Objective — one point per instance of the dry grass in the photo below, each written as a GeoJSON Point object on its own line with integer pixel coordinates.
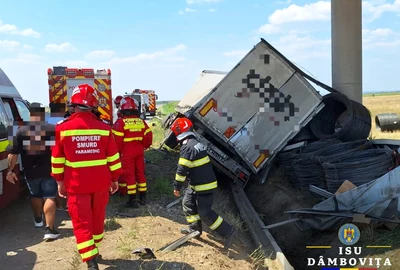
{"type": "Point", "coordinates": [379, 104]}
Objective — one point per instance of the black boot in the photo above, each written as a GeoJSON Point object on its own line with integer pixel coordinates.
{"type": "Point", "coordinates": [142, 198]}
{"type": "Point", "coordinates": [132, 202]}
{"type": "Point", "coordinates": [193, 227]}
{"type": "Point", "coordinates": [92, 264]}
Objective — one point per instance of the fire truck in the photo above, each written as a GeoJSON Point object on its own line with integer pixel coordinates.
{"type": "Point", "coordinates": [63, 80]}
{"type": "Point", "coordinates": [150, 98]}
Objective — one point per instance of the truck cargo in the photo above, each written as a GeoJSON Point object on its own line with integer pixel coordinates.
{"type": "Point", "coordinates": [62, 81]}
{"type": "Point", "coordinates": [248, 115]}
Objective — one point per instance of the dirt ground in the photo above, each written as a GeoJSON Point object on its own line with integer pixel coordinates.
{"type": "Point", "coordinates": [151, 226]}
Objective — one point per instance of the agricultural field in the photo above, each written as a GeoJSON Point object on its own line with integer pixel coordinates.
{"type": "Point", "coordinates": [382, 103]}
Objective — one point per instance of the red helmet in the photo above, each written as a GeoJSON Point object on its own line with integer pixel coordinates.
{"type": "Point", "coordinates": [128, 103]}
{"type": "Point", "coordinates": [182, 127]}
{"type": "Point", "coordinates": [117, 100]}
{"type": "Point", "coordinates": [84, 95]}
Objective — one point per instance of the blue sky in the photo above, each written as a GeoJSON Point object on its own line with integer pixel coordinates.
{"type": "Point", "coordinates": [164, 45]}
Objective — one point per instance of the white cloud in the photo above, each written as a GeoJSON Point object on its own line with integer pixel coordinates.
{"type": "Point", "coordinates": [374, 9]}
{"type": "Point", "coordinates": [190, 2]}
{"type": "Point", "coordinates": [170, 55]}
{"type": "Point", "coordinates": [319, 11]}
{"type": "Point", "coordinates": [13, 30]}
{"type": "Point", "coordinates": [64, 47]}
{"type": "Point", "coordinates": [9, 45]}
{"type": "Point", "coordinates": [27, 47]}
{"type": "Point", "coordinates": [23, 58]}
{"type": "Point", "coordinates": [380, 37]}
{"type": "Point", "coordinates": [211, 10]}
{"type": "Point", "coordinates": [190, 10]}
{"type": "Point", "coordinates": [236, 53]}
{"type": "Point", "coordinates": [100, 55]}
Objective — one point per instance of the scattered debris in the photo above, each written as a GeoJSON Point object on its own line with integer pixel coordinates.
{"type": "Point", "coordinates": [145, 253]}
{"type": "Point", "coordinates": [180, 241]}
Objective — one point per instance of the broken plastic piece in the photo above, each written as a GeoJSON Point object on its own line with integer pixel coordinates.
{"type": "Point", "coordinates": [144, 253]}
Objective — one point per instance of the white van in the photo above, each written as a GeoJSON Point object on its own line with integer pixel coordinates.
{"type": "Point", "coordinates": [13, 108]}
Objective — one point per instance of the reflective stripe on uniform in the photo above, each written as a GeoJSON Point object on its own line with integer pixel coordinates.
{"type": "Point", "coordinates": [57, 170]}
{"type": "Point", "coordinates": [113, 158]}
{"type": "Point", "coordinates": [193, 218]}
{"type": "Point", "coordinates": [77, 132]}
{"type": "Point", "coordinates": [89, 163]}
{"type": "Point", "coordinates": [133, 139]}
{"type": "Point", "coordinates": [180, 178]}
{"type": "Point", "coordinates": [142, 187]}
{"type": "Point", "coordinates": [131, 189]}
{"type": "Point", "coordinates": [85, 244]}
{"type": "Point", "coordinates": [147, 131]}
{"type": "Point", "coordinates": [205, 187]}
{"type": "Point", "coordinates": [98, 238]}
{"type": "Point", "coordinates": [90, 253]}
{"type": "Point", "coordinates": [59, 160]}
{"type": "Point", "coordinates": [122, 184]}
{"type": "Point", "coordinates": [216, 223]}
{"type": "Point", "coordinates": [194, 163]}
{"type": "Point", "coordinates": [115, 166]}
{"type": "Point", "coordinates": [121, 134]}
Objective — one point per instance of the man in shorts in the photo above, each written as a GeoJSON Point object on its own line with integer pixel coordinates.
{"type": "Point", "coordinates": [33, 141]}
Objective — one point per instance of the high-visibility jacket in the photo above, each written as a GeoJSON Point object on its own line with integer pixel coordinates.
{"type": "Point", "coordinates": [130, 131]}
{"type": "Point", "coordinates": [85, 156]}
{"type": "Point", "coordinates": [194, 163]}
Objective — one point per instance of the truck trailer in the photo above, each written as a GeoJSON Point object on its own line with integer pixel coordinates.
{"type": "Point", "coordinates": [246, 116]}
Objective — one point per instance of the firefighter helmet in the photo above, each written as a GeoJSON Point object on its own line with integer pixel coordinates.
{"type": "Point", "coordinates": [84, 96]}
{"type": "Point", "coordinates": [117, 100]}
{"type": "Point", "coordinates": [128, 103]}
{"type": "Point", "coordinates": [182, 127]}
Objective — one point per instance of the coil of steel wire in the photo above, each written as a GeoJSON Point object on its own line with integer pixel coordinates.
{"type": "Point", "coordinates": [305, 167]}
{"type": "Point", "coordinates": [341, 118]}
{"type": "Point", "coordinates": [285, 161]}
{"type": "Point", "coordinates": [336, 152]}
{"type": "Point", "coordinates": [359, 168]}
{"type": "Point", "coordinates": [387, 121]}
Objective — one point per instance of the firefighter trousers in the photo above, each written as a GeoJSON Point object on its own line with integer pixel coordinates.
{"type": "Point", "coordinates": [133, 173]}
{"type": "Point", "coordinates": [197, 209]}
{"type": "Point", "coordinates": [87, 212]}
{"type": "Point", "coordinates": [122, 186]}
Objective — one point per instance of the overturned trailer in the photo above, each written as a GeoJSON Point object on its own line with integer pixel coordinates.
{"type": "Point", "coordinates": [264, 106]}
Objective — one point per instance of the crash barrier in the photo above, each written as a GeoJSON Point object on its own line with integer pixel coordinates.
{"type": "Point", "coordinates": [359, 167]}
{"type": "Point", "coordinates": [342, 119]}
{"type": "Point", "coordinates": [387, 121]}
{"type": "Point", "coordinates": [303, 165]}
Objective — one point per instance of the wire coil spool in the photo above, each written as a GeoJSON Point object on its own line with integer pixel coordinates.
{"type": "Point", "coordinates": [341, 118]}
{"type": "Point", "coordinates": [285, 161]}
{"type": "Point", "coordinates": [305, 168]}
{"type": "Point", "coordinates": [359, 168]}
{"type": "Point", "coordinates": [387, 121]}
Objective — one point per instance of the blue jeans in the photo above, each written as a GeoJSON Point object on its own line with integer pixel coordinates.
{"type": "Point", "coordinates": [43, 187]}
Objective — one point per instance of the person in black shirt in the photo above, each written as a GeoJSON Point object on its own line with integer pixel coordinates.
{"type": "Point", "coordinates": [33, 142]}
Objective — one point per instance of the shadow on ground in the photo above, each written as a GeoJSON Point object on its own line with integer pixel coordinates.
{"type": "Point", "coordinates": [145, 265]}
{"type": "Point", "coordinates": [17, 230]}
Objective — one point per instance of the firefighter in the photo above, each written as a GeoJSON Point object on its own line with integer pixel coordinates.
{"type": "Point", "coordinates": [70, 110]}
{"type": "Point", "coordinates": [195, 165]}
{"type": "Point", "coordinates": [133, 136]}
{"type": "Point", "coordinates": [86, 164]}
{"type": "Point", "coordinates": [117, 103]}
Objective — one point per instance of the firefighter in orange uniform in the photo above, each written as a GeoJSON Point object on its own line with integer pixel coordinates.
{"type": "Point", "coordinates": [133, 136]}
{"type": "Point", "coordinates": [86, 164]}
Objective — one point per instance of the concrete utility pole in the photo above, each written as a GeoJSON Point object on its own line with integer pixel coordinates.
{"type": "Point", "coordinates": [346, 23]}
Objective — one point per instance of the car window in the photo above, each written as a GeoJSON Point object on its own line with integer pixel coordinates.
{"type": "Point", "coordinates": [7, 108]}
{"type": "Point", "coordinates": [4, 123]}
{"type": "Point", "coordinates": [23, 110]}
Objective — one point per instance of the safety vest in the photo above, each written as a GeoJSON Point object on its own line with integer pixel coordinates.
{"type": "Point", "coordinates": [132, 129]}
